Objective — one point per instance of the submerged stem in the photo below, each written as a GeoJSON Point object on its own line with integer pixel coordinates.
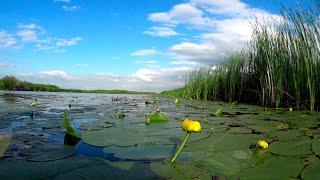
{"type": "Point", "coordinates": [186, 137]}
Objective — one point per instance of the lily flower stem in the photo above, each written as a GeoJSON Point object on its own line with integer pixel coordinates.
{"type": "Point", "coordinates": [186, 137]}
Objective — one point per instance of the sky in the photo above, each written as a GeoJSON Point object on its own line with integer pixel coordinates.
{"type": "Point", "coordinates": [143, 45]}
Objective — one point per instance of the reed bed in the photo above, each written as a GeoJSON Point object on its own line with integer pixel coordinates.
{"type": "Point", "coordinates": [280, 69]}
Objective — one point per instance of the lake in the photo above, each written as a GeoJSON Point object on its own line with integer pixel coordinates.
{"type": "Point", "coordinates": [32, 139]}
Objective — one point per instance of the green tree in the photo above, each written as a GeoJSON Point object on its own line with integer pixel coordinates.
{"type": "Point", "coordinates": [9, 82]}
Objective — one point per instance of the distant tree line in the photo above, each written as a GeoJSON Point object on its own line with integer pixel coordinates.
{"type": "Point", "coordinates": [13, 84]}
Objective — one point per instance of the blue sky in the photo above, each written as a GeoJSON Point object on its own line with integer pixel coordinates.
{"type": "Point", "coordinates": [148, 45]}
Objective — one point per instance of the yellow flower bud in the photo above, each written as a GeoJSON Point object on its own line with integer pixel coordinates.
{"type": "Point", "coordinates": [191, 126]}
{"type": "Point", "coordinates": [263, 144]}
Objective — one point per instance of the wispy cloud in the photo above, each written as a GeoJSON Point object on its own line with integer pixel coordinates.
{"type": "Point", "coordinates": [56, 74]}
{"type": "Point", "coordinates": [70, 8]}
{"type": "Point", "coordinates": [144, 52]}
{"type": "Point", "coordinates": [161, 32]}
{"type": "Point", "coordinates": [66, 42]}
{"type": "Point", "coordinates": [7, 40]}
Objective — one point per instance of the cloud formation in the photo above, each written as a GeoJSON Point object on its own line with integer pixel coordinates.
{"type": "Point", "coordinates": [144, 52]}
{"type": "Point", "coordinates": [222, 27]}
{"type": "Point", "coordinates": [160, 32]}
{"type": "Point", "coordinates": [144, 79]}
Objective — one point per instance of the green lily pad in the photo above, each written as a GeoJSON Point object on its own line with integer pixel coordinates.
{"type": "Point", "coordinates": [225, 142]}
{"type": "Point", "coordinates": [119, 136]}
{"type": "Point", "coordinates": [4, 143]}
{"type": "Point", "coordinates": [47, 152]}
{"type": "Point", "coordinates": [172, 136]}
{"type": "Point", "coordinates": [311, 172]}
{"type": "Point", "coordinates": [221, 163]}
{"type": "Point", "coordinates": [145, 152]}
{"type": "Point", "coordinates": [180, 170]}
{"type": "Point", "coordinates": [292, 148]}
{"type": "Point", "coordinates": [240, 130]}
{"type": "Point", "coordinates": [292, 134]}
{"type": "Point", "coordinates": [316, 145]}
{"type": "Point", "coordinates": [106, 170]}
{"type": "Point", "coordinates": [157, 117]}
{"type": "Point", "coordinates": [97, 125]}
{"type": "Point", "coordinates": [273, 168]}
{"type": "Point", "coordinates": [20, 169]}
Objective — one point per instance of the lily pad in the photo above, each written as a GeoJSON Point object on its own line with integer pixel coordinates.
{"type": "Point", "coordinates": [311, 172]}
{"type": "Point", "coordinates": [20, 169]}
{"type": "Point", "coordinates": [240, 130]}
{"type": "Point", "coordinates": [4, 143]}
{"type": "Point", "coordinates": [144, 152]}
{"type": "Point", "coordinates": [120, 136]}
{"type": "Point", "coordinates": [157, 117]}
{"type": "Point", "coordinates": [225, 142]}
{"type": "Point", "coordinates": [180, 170]}
{"type": "Point", "coordinates": [221, 163]}
{"type": "Point", "coordinates": [273, 168]}
{"type": "Point", "coordinates": [316, 145]}
{"type": "Point", "coordinates": [292, 134]}
{"type": "Point", "coordinates": [292, 148]}
{"type": "Point", "coordinates": [47, 152]}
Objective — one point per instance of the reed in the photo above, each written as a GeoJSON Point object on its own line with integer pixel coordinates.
{"type": "Point", "coordinates": [281, 67]}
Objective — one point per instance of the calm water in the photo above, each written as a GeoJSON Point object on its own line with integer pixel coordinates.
{"type": "Point", "coordinates": [226, 147]}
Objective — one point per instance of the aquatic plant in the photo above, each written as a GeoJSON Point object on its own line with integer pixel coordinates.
{"type": "Point", "coordinates": [157, 117]}
{"type": "Point", "coordinates": [263, 144]}
{"type": "Point", "coordinates": [189, 126]}
{"type": "Point", "coordinates": [121, 115]}
{"type": "Point", "coordinates": [218, 112]}
{"type": "Point", "coordinates": [67, 126]}
{"type": "Point", "coordinates": [280, 68]}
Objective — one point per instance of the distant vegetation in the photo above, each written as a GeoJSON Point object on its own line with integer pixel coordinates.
{"type": "Point", "coordinates": [13, 84]}
{"type": "Point", "coordinates": [281, 68]}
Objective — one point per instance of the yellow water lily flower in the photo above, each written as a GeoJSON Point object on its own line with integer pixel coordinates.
{"type": "Point", "coordinates": [191, 126]}
{"type": "Point", "coordinates": [263, 144]}
{"type": "Point", "coordinates": [290, 109]}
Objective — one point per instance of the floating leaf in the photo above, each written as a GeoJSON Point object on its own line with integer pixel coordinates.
{"type": "Point", "coordinates": [119, 136]}
{"type": "Point", "coordinates": [144, 152]}
{"type": "Point", "coordinates": [218, 112]}
{"type": "Point", "coordinates": [283, 126]}
{"type": "Point", "coordinates": [316, 145]}
{"type": "Point", "coordinates": [292, 134]}
{"type": "Point", "coordinates": [158, 117]}
{"type": "Point", "coordinates": [180, 170]}
{"type": "Point", "coordinates": [311, 172]}
{"type": "Point", "coordinates": [47, 152]}
{"type": "Point", "coordinates": [292, 148]}
{"type": "Point", "coordinates": [273, 168]}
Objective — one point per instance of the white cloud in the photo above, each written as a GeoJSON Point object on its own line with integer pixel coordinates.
{"type": "Point", "coordinates": [161, 32]}
{"type": "Point", "coordinates": [7, 40]}
{"type": "Point", "coordinates": [222, 27]}
{"type": "Point", "coordinates": [82, 65]}
{"type": "Point", "coordinates": [55, 74]}
{"type": "Point", "coordinates": [70, 42]}
{"type": "Point", "coordinates": [146, 62]}
{"type": "Point", "coordinates": [184, 13]}
{"type": "Point", "coordinates": [145, 79]}
{"type": "Point", "coordinates": [187, 51]}
{"type": "Point", "coordinates": [70, 8]}
{"type": "Point", "coordinates": [28, 35]}
{"type": "Point", "coordinates": [28, 26]}
{"type": "Point", "coordinates": [144, 52]}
